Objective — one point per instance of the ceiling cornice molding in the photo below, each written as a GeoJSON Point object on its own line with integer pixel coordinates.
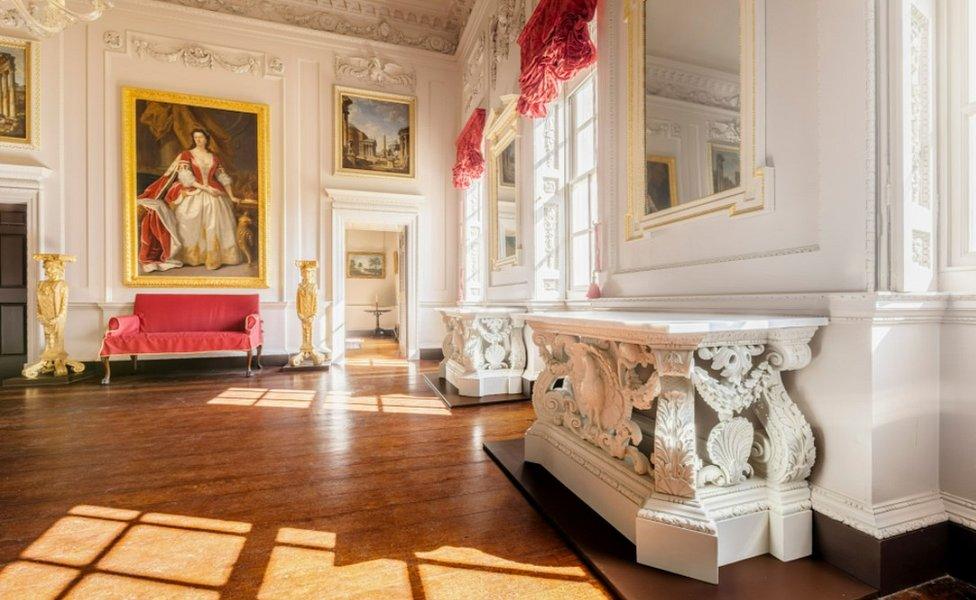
{"type": "Point", "coordinates": [475, 25]}
{"type": "Point", "coordinates": [403, 23]}
{"type": "Point", "coordinates": [286, 33]}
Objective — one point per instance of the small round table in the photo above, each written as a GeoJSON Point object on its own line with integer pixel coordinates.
{"type": "Point", "coordinates": [378, 332]}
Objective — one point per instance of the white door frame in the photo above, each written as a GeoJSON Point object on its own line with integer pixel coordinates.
{"type": "Point", "coordinates": [22, 184]}
{"type": "Point", "coordinates": [356, 207]}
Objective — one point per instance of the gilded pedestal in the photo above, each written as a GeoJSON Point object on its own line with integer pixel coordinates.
{"type": "Point", "coordinates": [306, 304]}
{"type": "Point", "coordinates": [52, 312]}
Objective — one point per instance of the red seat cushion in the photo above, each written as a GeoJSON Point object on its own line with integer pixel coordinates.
{"type": "Point", "coordinates": [194, 312]}
{"type": "Point", "coordinates": [175, 342]}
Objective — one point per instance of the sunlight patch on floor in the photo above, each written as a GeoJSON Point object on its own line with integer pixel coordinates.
{"type": "Point", "coordinates": [124, 554]}
{"type": "Point", "coordinates": [119, 554]}
{"type": "Point", "coordinates": [265, 398]}
{"type": "Point", "coordinates": [388, 403]}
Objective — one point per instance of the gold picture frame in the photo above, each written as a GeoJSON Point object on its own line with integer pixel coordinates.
{"type": "Point", "coordinates": [357, 271]}
{"type": "Point", "coordinates": [671, 165]}
{"type": "Point", "coordinates": [22, 56]}
{"type": "Point", "coordinates": [246, 234]}
{"type": "Point", "coordinates": [349, 149]}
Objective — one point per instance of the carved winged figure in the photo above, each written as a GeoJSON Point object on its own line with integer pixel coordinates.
{"type": "Point", "coordinates": [595, 394]}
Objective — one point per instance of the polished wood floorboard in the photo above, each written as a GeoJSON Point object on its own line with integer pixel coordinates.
{"type": "Point", "coordinates": [356, 483]}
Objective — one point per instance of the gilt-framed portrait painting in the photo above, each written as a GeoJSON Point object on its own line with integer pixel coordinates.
{"type": "Point", "coordinates": [661, 187]}
{"type": "Point", "coordinates": [365, 265]}
{"type": "Point", "coordinates": [196, 189]}
{"type": "Point", "coordinates": [19, 104]}
{"type": "Point", "coordinates": [375, 133]}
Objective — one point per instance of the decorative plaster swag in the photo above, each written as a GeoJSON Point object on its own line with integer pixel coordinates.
{"type": "Point", "coordinates": [555, 46]}
{"type": "Point", "coordinates": [470, 163]}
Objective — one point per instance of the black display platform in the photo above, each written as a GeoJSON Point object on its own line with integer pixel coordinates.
{"type": "Point", "coordinates": [449, 394]}
{"type": "Point", "coordinates": [610, 555]}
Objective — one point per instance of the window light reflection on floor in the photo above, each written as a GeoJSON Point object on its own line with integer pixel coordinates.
{"type": "Point", "coordinates": [102, 552]}
{"type": "Point", "coordinates": [334, 400]}
{"type": "Point", "coordinates": [304, 564]}
{"type": "Point", "coordinates": [160, 555]}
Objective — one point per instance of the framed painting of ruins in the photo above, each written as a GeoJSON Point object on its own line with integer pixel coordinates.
{"type": "Point", "coordinates": [195, 190]}
{"type": "Point", "coordinates": [375, 133]}
{"type": "Point", "coordinates": [19, 106]}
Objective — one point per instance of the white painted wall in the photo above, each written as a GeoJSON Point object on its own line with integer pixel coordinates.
{"type": "Point", "coordinates": [81, 77]}
{"type": "Point", "coordinates": [363, 294]}
{"type": "Point", "coordinates": [958, 412]}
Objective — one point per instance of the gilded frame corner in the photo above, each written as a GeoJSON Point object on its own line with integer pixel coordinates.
{"type": "Point", "coordinates": [337, 151]}
{"type": "Point", "coordinates": [132, 278]}
{"type": "Point", "coordinates": [32, 98]}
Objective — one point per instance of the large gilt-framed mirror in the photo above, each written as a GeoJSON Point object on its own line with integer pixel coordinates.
{"type": "Point", "coordinates": [501, 135]}
{"type": "Point", "coordinates": [693, 142]}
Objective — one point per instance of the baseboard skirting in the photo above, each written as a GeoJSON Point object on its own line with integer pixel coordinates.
{"type": "Point", "coordinates": [122, 366]}
{"type": "Point", "coordinates": [900, 561]}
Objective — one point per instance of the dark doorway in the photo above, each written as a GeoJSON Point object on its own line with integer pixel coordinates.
{"type": "Point", "coordinates": [13, 288]}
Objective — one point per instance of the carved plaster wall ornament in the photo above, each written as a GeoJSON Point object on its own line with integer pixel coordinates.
{"type": "Point", "coordinates": [197, 56]}
{"type": "Point", "coordinates": [113, 40]}
{"type": "Point", "coordinates": [729, 132]}
{"type": "Point", "coordinates": [376, 71]}
{"type": "Point", "coordinates": [52, 313]}
{"type": "Point", "coordinates": [670, 81]}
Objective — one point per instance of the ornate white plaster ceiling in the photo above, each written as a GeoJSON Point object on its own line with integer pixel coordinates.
{"type": "Point", "coordinates": [427, 24]}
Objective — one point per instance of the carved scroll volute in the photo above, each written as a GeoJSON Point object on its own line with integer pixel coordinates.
{"type": "Point", "coordinates": [788, 450]}
{"type": "Point", "coordinates": [675, 457]}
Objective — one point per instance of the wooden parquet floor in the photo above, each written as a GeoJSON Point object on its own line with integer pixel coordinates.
{"type": "Point", "coordinates": [356, 483]}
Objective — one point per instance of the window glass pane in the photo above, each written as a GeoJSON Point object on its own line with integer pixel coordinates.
{"type": "Point", "coordinates": [970, 43]}
{"type": "Point", "coordinates": [580, 261]}
{"type": "Point", "coordinates": [593, 208]}
{"type": "Point", "coordinates": [580, 220]}
{"type": "Point", "coordinates": [970, 154]}
{"type": "Point", "coordinates": [585, 150]}
{"type": "Point", "coordinates": [583, 103]}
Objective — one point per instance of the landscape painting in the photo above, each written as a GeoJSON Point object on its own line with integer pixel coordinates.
{"type": "Point", "coordinates": [375, 133]}
{"type": "Point", "coordinates": [726, 172]}
{"type": "Point", "coordinates": [196, 188]}
{"type": "Point", "coordinates": [18, 69]}
{"type": "Point", "coordinates": [365, 265]}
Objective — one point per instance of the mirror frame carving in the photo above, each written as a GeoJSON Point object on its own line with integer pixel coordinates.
{"type": "Point", "coordinates": [756, 191]}
{"type": "Point", "coordinates": [501, 130]}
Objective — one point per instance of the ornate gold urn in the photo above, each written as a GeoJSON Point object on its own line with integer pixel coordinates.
{"type": "Point", "coordinates": [52, 312]}
{"type": "Point", "coordinates": [307, 305]}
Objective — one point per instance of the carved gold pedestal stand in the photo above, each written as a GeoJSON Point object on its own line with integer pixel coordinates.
{"type": "Point", "coordinates": [307, 305]}
{"type": "Point", "coordinates": [52, 312]}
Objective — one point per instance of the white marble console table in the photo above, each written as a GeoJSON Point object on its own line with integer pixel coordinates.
{"type": "Point", "coordinates": [677, 429]}
{"type": "Point", "coordinates": [484, 352]}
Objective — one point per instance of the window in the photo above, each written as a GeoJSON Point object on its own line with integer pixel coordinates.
{"type": "Point", "coordinates": [581, 181]}
{"type": "Point", "coordinates": [959, 122]}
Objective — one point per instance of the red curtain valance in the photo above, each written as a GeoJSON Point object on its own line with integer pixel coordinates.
{"type": "Point", "coordinates": [470, 163]}
{"type": "Point", "coordinates": [555, 45]}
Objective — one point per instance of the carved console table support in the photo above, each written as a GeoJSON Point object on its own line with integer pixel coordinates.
{"type": "Point", "coordinates": [677, 429]}
{"type": "Point", "coordinates": [484, 353]}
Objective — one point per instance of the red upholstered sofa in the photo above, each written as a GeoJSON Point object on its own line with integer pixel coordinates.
{"type": "Point", "coordinates": [185, 323]}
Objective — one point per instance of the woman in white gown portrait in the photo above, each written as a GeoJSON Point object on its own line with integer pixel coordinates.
{"type": "Point", "coordinates": [189, 218]}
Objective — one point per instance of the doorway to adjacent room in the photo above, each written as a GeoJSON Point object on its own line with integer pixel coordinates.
{"type": "Point", "coordinates": [375, 291]}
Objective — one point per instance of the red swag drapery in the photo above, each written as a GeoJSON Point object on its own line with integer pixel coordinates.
{"type": "Point", "coordinates": [470, 163]}
{"type": "Point", "coordinates": [555, 45]}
